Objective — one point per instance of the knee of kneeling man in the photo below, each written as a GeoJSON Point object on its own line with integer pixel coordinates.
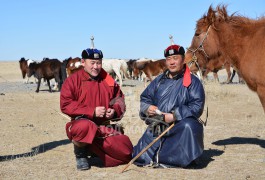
{"type": "Point", "coordinates": [187, 123]}
{"type": "Point", "coordinates": [83, 124]}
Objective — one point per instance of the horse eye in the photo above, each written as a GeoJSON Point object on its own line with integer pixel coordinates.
{"type": "Point", "coordinates": [196, 34]}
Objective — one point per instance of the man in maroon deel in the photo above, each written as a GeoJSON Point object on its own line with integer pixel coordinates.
{"type": "Point", "coordinates": [92, 98]}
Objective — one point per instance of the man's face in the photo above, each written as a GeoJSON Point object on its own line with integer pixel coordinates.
{"type": "Point", "coordinates": [92, 66]}
{"type": "Point", "coordinates": [174, 63]}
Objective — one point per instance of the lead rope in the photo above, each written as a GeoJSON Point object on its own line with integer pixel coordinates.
{"type": "Point", "coordinates": [194, 60]}
{"type": "Point", "coordinates": [205, 109]}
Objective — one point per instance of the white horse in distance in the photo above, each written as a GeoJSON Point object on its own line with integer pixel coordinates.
{"type": "Point", "coordinates": [117, 66]}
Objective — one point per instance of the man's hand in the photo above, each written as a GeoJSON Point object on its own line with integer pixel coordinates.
{"type": "Point", "coordinates": [100, 111]}
{"type": "Point", "coordinates": [169, 118]}
{"type": "Point", "coordinates": [110, 113]}
{"type": "Point", "coordinates": [151, 111]}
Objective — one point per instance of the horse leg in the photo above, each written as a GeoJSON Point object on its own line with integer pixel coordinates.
{"type": "Point", "coordinates": [240, 79]}
{"type": "Point", "coordinates": [142, 76]}
{"type": "Point", "coordinates": [58, 84]}
{"type": "Point", "coordinates": [122, 74]}
{"type": "Point", "coordinates": [216, 78]}
{"type": "Point", "coordinates": [126, 74]}
{"type": "Point", "coordinates": [203, 74]}
{"type": "Point", "coordinates": [38, 85]}
{"type": "Point", "coordinates": [49, 85]}
{"type": "Point", "coordinates": [55, 88]}
{"type": "Point", "coordinates": [261, 94]}
{"type": "Point", "coordinates": [149, 76]}
{"type": "Point", "coordinates": [35, 80]}
{"type": "Point", "coordinates": [44, 82]}
{"type": "Point", "coordinates": [119, 76]}
{"type": "Point", "coordinates": [228, 74]}
{"type": "Point", "coordinates": [233, 75]}
{"type": "Point", "coordinates": [27, 81]}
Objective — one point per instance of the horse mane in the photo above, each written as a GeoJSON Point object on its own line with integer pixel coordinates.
{"type": "Point", "coordinates": [220, 15]}
{"type": "Point", "coordinates": [235, 18]}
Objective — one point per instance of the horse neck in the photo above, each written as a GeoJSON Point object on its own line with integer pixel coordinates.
{"type": "Point", "coordinates": [233, 42]}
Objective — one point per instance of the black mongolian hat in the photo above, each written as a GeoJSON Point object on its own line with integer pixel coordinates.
{"type": "Point", "coordinates": [92, 53]}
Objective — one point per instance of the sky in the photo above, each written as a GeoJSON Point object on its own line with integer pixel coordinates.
{"type": "Point", "coordinates": [125, 29]}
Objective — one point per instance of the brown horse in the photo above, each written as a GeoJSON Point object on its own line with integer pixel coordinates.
{"type": "Point", "coordinates": [138, 67]}
{"type": "Point", "coordinates": [153, 68]}
{"type": "Point", "coordinates": [238, 39]}
{"type": "Point", "coordinates": [47, 69]}
{"type": "Point", "coordinates": [130, 65]}
{"type": "Point", "coordinates": [72, 65]}
{"type": "Point", "coordinates": [24, 67]}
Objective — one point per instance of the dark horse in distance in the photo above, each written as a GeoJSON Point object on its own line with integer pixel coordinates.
{"type": "Point", "coordinates": [48, 69]}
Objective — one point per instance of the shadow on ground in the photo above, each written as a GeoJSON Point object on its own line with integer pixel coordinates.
{"type": "Point", "coordinates": [240, 140]}
{"type": "Point", "coordinates": [36, 150]}
{"type": "Point", "coordinates": [205, 159]}
{"type": "Point", "coordinates": [202, 162]}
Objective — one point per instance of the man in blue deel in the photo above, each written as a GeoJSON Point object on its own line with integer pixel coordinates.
{"type": "Point", "coordinates": [178, 97]}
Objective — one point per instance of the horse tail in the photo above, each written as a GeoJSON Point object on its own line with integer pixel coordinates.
{"type": "Point", "coordinates": [63, 74]}
{"type": "Point", "coordinates": [124, 68]}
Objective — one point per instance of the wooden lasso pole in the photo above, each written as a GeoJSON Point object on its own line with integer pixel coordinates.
{"type": "Point", "coordinates": [147, 147]}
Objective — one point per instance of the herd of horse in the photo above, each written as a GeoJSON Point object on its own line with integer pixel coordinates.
{"type": "Point", "coordinates": [48, 69]}
{"type": "Point", "coordinates": [220, 41]}
{"type": "Point", "coordinates": [140, 69]}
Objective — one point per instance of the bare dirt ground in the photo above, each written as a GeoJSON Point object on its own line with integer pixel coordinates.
{"type": "Point", "coordinates": [33, 143]}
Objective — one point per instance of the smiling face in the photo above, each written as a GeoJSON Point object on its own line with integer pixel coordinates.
{"type": "Point", "coordinates": [175, 64]}
{"type": "Point", "coordinates": [92, 66]}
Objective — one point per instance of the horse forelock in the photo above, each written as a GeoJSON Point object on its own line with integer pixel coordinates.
{"type": "Point", "coordinates": [214, 16]}
{"type": "Point", "coordinates": [22, 59]}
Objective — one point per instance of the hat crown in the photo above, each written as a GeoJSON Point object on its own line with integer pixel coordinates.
{"type": "Point", "coordinates": [173, 49]}
{"type": "Point", "coordinates": [171, 40]}
{"type": "Point", "coordinates": [92, 42]}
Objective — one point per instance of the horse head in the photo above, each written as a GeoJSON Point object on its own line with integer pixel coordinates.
{"type": "Point", "coordinates": [23, 66]}
{"type": "Point", "coordinates": [205, 43]}
{"type": "Point", "coordinates": [130, 65]}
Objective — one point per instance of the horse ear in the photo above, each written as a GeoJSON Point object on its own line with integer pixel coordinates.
{"type": "Point", "coordinates": [225, 12]}
{"type": "Point", "coordinates": [211, 15]}
{"type": "Point", "coordinates": [222, 13]}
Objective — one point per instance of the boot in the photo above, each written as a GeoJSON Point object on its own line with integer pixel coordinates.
{"type": "Point", "coordinates": [81, 158]}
